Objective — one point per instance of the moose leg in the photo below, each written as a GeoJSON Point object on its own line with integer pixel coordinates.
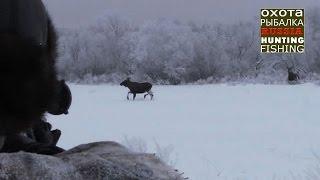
{"type": "Point", "coordinates": [151, 94]}
{"type": "Point", "coordinates": [128, 95]}
{"type": "Point", "coordinates": [134, 96]}
{"type": "Point", "coordinates": [145, 95]}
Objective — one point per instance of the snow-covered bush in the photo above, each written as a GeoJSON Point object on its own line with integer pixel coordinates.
{"type": "Point", "coordinates": [139, 145]}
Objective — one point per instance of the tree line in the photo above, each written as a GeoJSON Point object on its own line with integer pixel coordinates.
{"type": "Point", "coordinates": [165, 51]}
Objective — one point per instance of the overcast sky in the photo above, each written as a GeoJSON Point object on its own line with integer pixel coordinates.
{"type": "Point", "coordinates": [77, 13]}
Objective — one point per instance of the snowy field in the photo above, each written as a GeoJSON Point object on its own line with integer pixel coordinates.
{"type": "Point", "coordinates": [249, 132]}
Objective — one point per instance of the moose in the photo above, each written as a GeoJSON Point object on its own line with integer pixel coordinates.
{"type": "Point", "coordinates": [292, 68]}
{"type": "Point", "coordinates": [292, 76]}
{"type": "Point", "coordinates": [137, 88]}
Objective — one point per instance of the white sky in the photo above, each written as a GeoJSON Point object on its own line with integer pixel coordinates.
{"type": "Point", "coordinates": [77, 13]}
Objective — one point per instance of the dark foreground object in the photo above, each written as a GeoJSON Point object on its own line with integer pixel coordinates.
{"type": "Point", "coordinates": [27, 59]}
{"type": "Point", "coordinates": [29, 84]}
{"type": "Point", "coordinates": [137, 88]}
{"type": "Point", "coordinates": [101, 161]}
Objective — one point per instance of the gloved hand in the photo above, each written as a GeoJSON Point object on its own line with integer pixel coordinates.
{"type": "Point", "coordinates": [43, 134]}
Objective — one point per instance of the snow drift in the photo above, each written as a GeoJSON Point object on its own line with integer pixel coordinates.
{"type": "Point", "coordinates": [102, 160]}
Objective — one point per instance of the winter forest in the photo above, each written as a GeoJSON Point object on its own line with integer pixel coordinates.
{"type": "Point", "coordinates": [166, 51]}
{"type": "Point", "coordinates": [221, 109]}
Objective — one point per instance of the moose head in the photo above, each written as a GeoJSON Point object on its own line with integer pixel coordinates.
{"type": "Point", "coordinates": [125, 82]}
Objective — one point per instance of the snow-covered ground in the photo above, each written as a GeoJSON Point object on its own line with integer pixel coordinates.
{"type": "Point", "coordinates": [218, 132]}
